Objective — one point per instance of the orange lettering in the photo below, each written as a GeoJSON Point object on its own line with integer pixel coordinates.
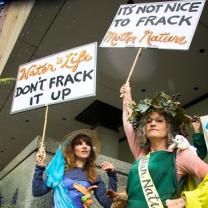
{"type": "Point", "coordinates": [73, 60]}
{"type": "Point", "coordinates": [162, 37]}
{"type": "Point", "coordinates": [34, 70]}
{"type": "Point", "coordinates": [115, 38]}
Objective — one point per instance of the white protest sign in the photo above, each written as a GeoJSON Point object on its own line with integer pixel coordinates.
{"type": "Point", "coordinates": [165, 25]}
{"type": "Point", "coordinates": [64, 76]}
{"type": "Point", "coordinates": [204, 121]}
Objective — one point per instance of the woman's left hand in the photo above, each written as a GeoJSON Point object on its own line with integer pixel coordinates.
{"type": "Point", "coordinates": [175, 203]}
{"type": "Point", "coordinates": [107, 166]}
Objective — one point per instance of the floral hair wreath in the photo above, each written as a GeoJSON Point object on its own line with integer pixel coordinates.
{"type": "Point", "coordinates": [162, 103]}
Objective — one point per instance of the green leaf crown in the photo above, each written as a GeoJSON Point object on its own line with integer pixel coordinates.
{"type": "Point", "coordinates": [162, 103]}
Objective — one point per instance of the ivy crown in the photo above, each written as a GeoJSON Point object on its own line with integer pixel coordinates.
{"type": "Point", "coordinates": [162, 103]}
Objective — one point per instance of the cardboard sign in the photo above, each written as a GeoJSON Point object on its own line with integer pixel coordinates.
{"type": "Point", "coordinates": [64, 76]}
{"type": "Point", "coordinates": [165, 25]}
{"type": "Point", "coordinates": [204, 121]}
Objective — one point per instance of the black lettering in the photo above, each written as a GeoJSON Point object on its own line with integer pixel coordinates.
{"type": "Point", "coordinates": [31, 101]}
{"type": "Point", "coordinates": [147, 185]}
{"type": "Point", "coordinates": [87, 74]}
{"type": "Point", "coordinates": [185, 19]}
{"type": "Point", "coordinates": [68, 79]}
{"type": "Point", "coordinates": [26, 89]}
{"type": "Point", "coordinates": [148, 191]}
{"type": "Point", "coordinates": [125, 22]}
{"type": "Point", "coordinates": [33, 87]}
{"type": "Point", "coordinates": [158, 7]}
{"type": "Point", "coordinates": [150, 9]}
{"type": "Point", "coordinates": [124, 9]}
{"type": "Point", "coordinates": [178, 7]}
{"type": "Point", "coordinates": [117, 22]}
{"type": "Point", "coordinates": [162, 21]}
{"type": "Point", "coordinates": [76, 77]}
{"type": "Point", "coordinates": [36, 98]}
{"type": "Point", "coordinates": [194, 7]}
{"type": "Point", "coordinates": [141, 9]}
{"type": "Point", "coordinates": [130, 10]}
{"type": "Point", "coordinates": [142, 19]}
{"type": "Point", "coordinates": [171, 21]}
{"type": "Point", "coordinates": [41, 81]}
{"type": "Point", "coordinates": [18, 91]}
{"type": "Point", "coordinates": [59, 81]}
{"type": "Point", "coordinates": [151, 20]}
{"type": "Point", "coordinates": [52, 81]}
{"type": "Point", "coordinates": [119, 11]}
{"type": "Point", "coordinates": [170, 7]}
{"type": "Point", "coordinates": [122, 22]}
{"type": "Point", "coordinates": [53, 97]}
{"type": "Point", "coordinates": [183, 5]}
{"type": "Point", "coordinates": [152, 200]}
{"type": "Point", "coordinates": [65, 92]}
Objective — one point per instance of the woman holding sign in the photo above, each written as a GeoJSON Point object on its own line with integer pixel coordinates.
{"type": "Point", "coordinates": [72, 173]}
{"type": "Point", "coordinates": [165, 161]}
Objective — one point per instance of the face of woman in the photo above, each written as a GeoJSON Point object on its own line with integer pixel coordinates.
{"type": "Point", "coordinates": [82, 150]}
{"type": "Point", "coordinates": [156, 126]}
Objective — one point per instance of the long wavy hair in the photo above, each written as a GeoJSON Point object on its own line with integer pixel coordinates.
{"type": "Point", "coordinates": [144, 142]}
{"type": "Point", "coordinates": [70, 157]}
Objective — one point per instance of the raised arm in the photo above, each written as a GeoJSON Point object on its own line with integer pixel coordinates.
{"type": "Point", "coordinates": [39, 187]}
{"type": "Point", "coordinates": [125, 92]}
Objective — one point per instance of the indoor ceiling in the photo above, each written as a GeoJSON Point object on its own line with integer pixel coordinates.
{"type": "Point", "coordinates": [54, 26]}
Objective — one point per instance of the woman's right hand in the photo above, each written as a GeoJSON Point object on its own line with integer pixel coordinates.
{"type": "Point", "coordinates": [40, 157]}
{"type": "Point", "coordinates": [125, 90]}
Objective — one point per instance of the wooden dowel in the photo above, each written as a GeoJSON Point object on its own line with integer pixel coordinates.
{"type": "Point", "coordinates": [44, 128]}
{"type": "Point", "coordinates": [134, 64]}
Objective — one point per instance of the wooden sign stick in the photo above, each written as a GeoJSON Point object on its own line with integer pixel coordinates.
{"type": "Point", "coordinates": [134, 64]}
{"type": "Point", "coordinates": [44, 128]}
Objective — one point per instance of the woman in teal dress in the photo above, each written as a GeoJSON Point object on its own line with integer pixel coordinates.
{"type": "Point", "coordinates": [155, 177]}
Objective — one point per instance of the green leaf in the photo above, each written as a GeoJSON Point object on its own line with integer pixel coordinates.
{"type": "Point", "coordinates": [7, 80]}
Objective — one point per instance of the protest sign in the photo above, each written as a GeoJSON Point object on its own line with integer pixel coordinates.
{"type": "Point", "coordinates": [165, 25]}
{"type": "Point", "coordinates": [57, 78]}
{"type": "Point", "coordinates": [204, 121]}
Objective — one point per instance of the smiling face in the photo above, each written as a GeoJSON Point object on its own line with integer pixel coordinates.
{"type": "Point", "coordinates": [156, 126]}
{"type": "Point", "coordinates": [82, 150]}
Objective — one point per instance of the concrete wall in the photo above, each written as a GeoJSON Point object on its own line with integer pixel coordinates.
{"type": "Point", "coordinates": [125, 152]}
{"type": "Point", "coordinates": [16, 177]}
{"type": "Point", "coordinates": [109, 142]}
